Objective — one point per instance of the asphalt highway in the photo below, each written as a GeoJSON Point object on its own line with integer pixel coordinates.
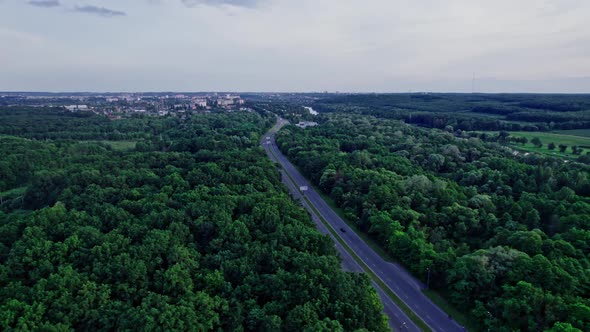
{"type": "Point", "coordinates": [398, 320]}
{"type": "Point", "coordinates": [397, 279]}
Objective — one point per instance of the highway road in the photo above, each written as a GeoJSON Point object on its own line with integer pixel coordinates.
{"type": "Point", "coordinates": [398, 320]}
{"type": "Point", "coordinates": [395, 277]}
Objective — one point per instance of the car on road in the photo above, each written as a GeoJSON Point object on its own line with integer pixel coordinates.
{"type": "Point", "coordinates": [342, 230]}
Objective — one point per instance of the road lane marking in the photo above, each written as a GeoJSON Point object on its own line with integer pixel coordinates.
{"type": "Point", "coordinates": [336, 235]}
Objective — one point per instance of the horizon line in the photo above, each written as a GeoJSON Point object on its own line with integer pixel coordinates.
{"type": "Point", "coordinates": [289, 92]}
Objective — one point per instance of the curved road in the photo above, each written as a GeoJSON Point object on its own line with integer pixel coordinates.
{"type": "Point", "coordinates": [399, 281]}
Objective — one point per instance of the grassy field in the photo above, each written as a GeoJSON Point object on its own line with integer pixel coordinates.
{"type": "Point", "coordinates": [557, 139]}
{"type": "Point", "coordinates": [117, 145]}
{"type": "Point", "coordinates": [543, 150]}
{"type": "Point", "coordinates": [574, 132]}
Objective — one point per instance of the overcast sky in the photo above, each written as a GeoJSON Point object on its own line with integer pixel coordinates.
{"type": "Point", "coordinates": [295, 45]}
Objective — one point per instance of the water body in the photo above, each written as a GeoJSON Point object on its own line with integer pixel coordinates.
{"type": "Point", "coordinates": [311, 111]}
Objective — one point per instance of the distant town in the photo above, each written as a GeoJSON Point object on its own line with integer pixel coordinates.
{"type": "Point", "coordinates": [118, 105]}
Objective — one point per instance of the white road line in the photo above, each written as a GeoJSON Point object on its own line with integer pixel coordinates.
{"type": "Point", "coordinates": [323, 210]}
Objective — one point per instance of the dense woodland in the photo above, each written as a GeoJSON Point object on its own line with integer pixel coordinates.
{"type": "Point", "coordinates": [505, 238]}
{"type": "Point", "coordinates": [190, 230]}
{"type": "Point", "coordinates": [514, 112]}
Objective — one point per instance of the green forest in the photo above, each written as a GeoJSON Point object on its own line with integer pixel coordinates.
{"type": "Point", "coordinates": [185, 226]}
{"type": "Point", "coordinates": [513, 112]}
{"type": "Point", "coordinates": [505, 237]}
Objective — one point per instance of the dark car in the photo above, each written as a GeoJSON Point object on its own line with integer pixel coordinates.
{"type": "Point", "coordinates": [342, 230]}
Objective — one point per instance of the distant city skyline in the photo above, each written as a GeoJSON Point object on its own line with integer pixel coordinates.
{"type": "Point", "coordinates": [536, 46]}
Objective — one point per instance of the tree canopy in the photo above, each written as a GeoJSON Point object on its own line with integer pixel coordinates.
{"type": "Point", "coordinates": [499, 233]}
{"type": "Point", "coordinates": [190, 230]}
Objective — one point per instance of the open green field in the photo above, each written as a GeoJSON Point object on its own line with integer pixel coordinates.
{"type": "Point", "coordinates": [578, 137]}
{"type": "Point", "coordinates": [544, 150]}
{"type": "Point", "coordinates": [116, 145]}
{"type": "Point", "coordinates": [574, 132]}
{"type": "Point", "coordinates": [557, 139]}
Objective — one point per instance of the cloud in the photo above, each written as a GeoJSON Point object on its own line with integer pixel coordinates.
{"type": "Point", "coordinates": [14, 37]}
{"type": "Point", "coordinates": [380, 45]}
{"type": "Point", "coordinates": [235, 3]}
{"type": "Point", "coordinates": [100, 11]}
{"type": "Point", "coordinates": [44, 3]}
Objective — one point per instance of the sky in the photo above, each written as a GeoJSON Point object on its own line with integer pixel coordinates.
{"type": "Point", "coordinates": [295, 45]}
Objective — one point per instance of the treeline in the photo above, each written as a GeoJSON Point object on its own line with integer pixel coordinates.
{"type": "Point", "coordinates": [561, 120]}
{"type": "Point", "coordinates": [58, 124]}
{"type": "Point", "coordinates": [191, 231]}
{"type": "Point", "coordinates": [505, 238]}
{"type": "Point", "coordinates": [504, 138]}
{"type": "Point", "coordinates": [515, 112]}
